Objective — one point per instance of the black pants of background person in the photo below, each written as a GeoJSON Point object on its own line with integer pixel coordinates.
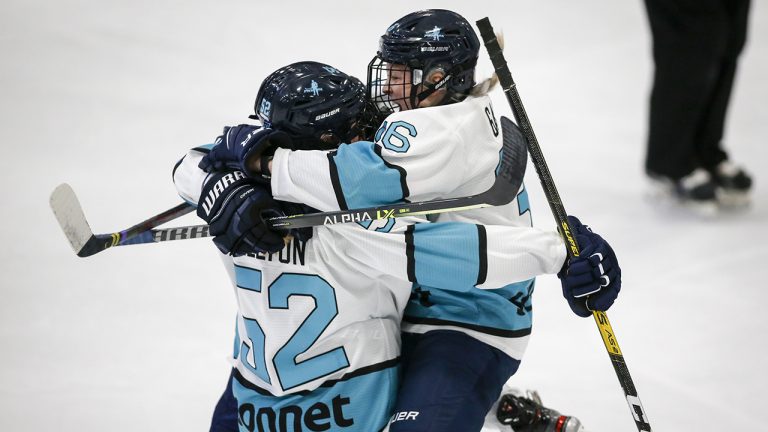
{"type": "Point", "coordinates": [696, 46]}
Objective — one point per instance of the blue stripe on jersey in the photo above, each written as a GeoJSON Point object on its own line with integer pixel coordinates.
{"type": "Point", "coordinates": [446, 255]}
{"type": "Point", "coordinates": [523, 205]}
{"type": "Point", "coordinates": [236, 347]}
{"type": "Point", "coordinates": [504, 312]}
{"type": "Point", "coordinates": [364, 178]}
{"type": "Point", "coordinates": [361, 403]}
{"type": "Point", "coordinates": [248, 278]}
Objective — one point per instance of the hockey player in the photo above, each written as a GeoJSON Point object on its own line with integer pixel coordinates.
{"type": "Point", "coordinates": [440, 140]}
{"type": "Point", "coordinates": [423, 74]}
{"type": "Point", "coordinates": [363, 276]}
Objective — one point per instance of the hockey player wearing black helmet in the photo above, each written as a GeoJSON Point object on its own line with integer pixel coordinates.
{"type": "Point", "coordinates": [329, 107]}
{"type": "Point", "coordinates": [459, 350]}
{"type": "Point", "coordinates": [302, 106]}
{"type": "Point", "coordinates": [441, 139]}
{"type": "Point", "coordinates": [328, 358]}
{"type": "Point", "coordinates": [426, 58]}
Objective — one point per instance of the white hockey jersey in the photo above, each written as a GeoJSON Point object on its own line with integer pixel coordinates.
{"type": "Point", "coordinates": [329, 308]}
{"type": "Point", "coordinates": [429, 153]}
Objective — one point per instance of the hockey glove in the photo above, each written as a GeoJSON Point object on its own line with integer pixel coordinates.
{"type": "Point", "coordinates": [240, 144]}
{"type": "Point", "coordinates": [289, 208]}
{"type": "Point", "coordinates": [592, 280]}
{"type": "Point", "coordinates": [235, 208]}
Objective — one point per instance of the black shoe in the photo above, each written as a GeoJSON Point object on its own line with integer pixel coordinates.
{"type": "Point", "coordinates": [731, 177]}
{"type": "Point", "coordinates": [527, 414]}
{"type": "Point", "coordinates": [697, 187]}
{"type": "Point", "coordinates": [734, 185]}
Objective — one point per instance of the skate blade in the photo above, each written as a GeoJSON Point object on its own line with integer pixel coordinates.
{"type": "Point", "coordinates": [664, 198]}
{"type": "Point", "coordinates": [702, 209]}
{"type": "Point", "coordinates": [733, 200]}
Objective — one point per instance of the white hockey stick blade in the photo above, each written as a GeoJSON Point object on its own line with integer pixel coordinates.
{"type": "Point", "coordinates": [69, 213]}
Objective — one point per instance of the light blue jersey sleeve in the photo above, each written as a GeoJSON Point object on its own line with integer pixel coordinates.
{"type": "Point", "coordinates": [352, 176]}
{"type": "Point", "coordinates": [416, 155]}
{"type": "Point", "coordinates": [450, 255]}
{"type": "Point", "coordinates": [362, 178]}
{"type": "Point", "coordinates": [459, 256]}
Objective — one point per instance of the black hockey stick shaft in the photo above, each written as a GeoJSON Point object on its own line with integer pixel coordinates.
{"type": "Point", "coordinates": [310, 220]}
{"type": "Point", "coordinates": [100, 242]}
{"type": "Point", "coordinates": [85, 243]}
{"type": "Point", "coordinates": [503, 191]}
{"type": "Point", "coordinates": [485, 199]}
{"type": "Point", "coordinates": [71, 218]}
{"type": "Point", "coordinates": [558, 211]}
{"type": "Point", "coordinates": [69, 214]}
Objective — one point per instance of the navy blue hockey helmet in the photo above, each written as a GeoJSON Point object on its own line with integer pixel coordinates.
{"type": "Point", "coordinates": [317, 104]}
{"type": "Point", "coordinates": [425, 42]}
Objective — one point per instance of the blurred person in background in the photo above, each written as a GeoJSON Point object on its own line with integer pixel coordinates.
{"type": "Point", "coordinates": [696, 47]}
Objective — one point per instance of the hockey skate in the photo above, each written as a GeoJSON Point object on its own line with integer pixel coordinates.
{"type": "Point", "coordinates": [527, 414]}
{"type": "Point", "coordinates": [696, 191]}
{"type": "Point", "coordinates": [734, 185]}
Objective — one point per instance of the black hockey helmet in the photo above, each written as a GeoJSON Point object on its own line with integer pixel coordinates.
{"type": "Point", "coordinates": [317, 104]}
{"type": "Point", "coordinates": [426, 41]}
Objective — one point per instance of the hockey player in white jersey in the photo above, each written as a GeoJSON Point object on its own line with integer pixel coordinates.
{"type": "Point", "coordinates": [423, 75]}
{"type": "Point", "coordinates": [447, 147]}
{"type": "Point", "coordinates": [319, 319]}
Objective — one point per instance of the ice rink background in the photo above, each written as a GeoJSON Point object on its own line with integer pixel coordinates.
{"type": "Point", "coordinates": [107, 95]}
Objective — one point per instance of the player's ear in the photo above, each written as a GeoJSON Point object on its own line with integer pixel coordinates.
{"type": "Point", "coordinates": [435, 75]}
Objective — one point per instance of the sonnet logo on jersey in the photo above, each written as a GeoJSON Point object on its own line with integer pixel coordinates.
{"type": "Point", "coordinates": [317, 417]}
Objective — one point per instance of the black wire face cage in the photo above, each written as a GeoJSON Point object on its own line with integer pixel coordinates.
{"type": "Point", "coordinates": [366, 123]}
{"type": "Point", "coordinates": [392, 87]}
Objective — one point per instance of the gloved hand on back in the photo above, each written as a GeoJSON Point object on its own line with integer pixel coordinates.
{"type": "Point", "coordinates": [591, 281]}
{"type": "Point", "coordinates": [241, 144]}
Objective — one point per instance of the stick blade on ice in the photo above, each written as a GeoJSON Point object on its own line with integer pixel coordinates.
{"type": "Point", "coordinates": [69, 213]}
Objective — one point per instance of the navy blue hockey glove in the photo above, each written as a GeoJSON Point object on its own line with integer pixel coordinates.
{"type": "Point", "coordinates": [235, 208]}
{"type": "Point", "coordinates": [289, 208]}
{"type": "Point", "coordinates": [239, 144]}
{"type": "Point", "coordinates": [592, 280]}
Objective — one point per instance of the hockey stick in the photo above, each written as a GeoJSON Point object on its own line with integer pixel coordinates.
{"type": "Point", "coordinates": [66, 207]}
{"type": "Point", "coordinates": [84, 242]}
{"type": "Point", "coordinates": [558, 211]}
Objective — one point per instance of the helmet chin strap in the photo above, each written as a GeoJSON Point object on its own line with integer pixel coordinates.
{"type": "Point", "coordinates": [430, 88]}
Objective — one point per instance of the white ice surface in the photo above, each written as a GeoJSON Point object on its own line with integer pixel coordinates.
{"type": "Point", "coordinates": [106, 95]}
